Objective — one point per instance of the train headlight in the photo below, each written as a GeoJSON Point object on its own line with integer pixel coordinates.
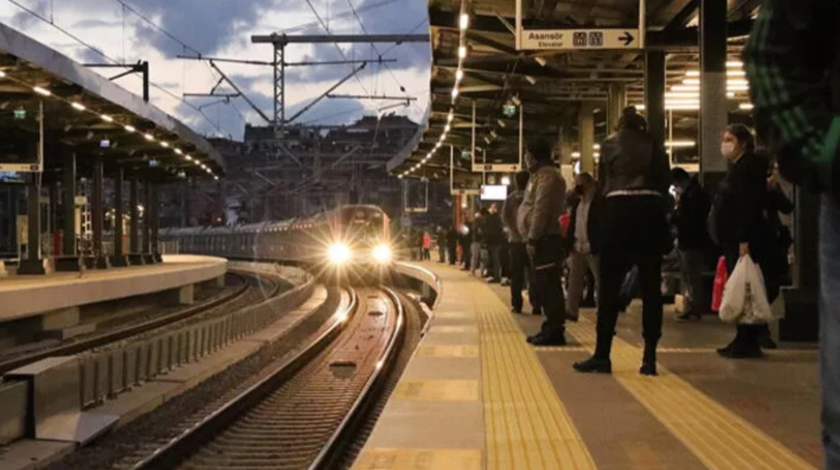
{"type": "Point", "coordinates": [339, 253]}
{"type": "Point", "coordinates": [382, 253]}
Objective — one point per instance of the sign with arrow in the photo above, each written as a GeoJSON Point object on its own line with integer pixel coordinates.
{"type": "Point", "coordinates": [542, 36]}
{"type": "Point", "coordinates": [578, 39]}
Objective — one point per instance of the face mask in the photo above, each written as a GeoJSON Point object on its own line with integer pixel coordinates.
{"type": "Point", "coordinates": [728, 150]}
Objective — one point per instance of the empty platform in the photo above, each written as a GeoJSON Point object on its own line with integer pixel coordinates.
{"type": "Point", "coordinates": [24, 296]}
{"type": "Point", "coordinates": [476, 396]}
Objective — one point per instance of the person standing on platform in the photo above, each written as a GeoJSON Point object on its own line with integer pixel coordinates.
{"type": "Point", "coordinates": [740, 224]}
{"type": "Point", "coordinates": [582, 241]}
{"type": "Point", "coordinates": [478, 226]}
{"type": "Point", "coordinates": [520, 263]}
{"type": "Point", "coordinates": [427, 246]}
{"type": "Point", "coordinates": [440, 240]}
{"type": "Point", "coordinates": [494, 238]}
{"type": "Point", "coordinates": [636, 177]}
{"type": "Point", "coordinates": [538, 221]}
{"type": "Point", "coordinates": [467, 232]}
{"type": "Point", "coordinates": [452, 244]}
{"type": "Point", "coordinates": [794, 71]}
{"type": "Point", "coordinates": [692, 240]}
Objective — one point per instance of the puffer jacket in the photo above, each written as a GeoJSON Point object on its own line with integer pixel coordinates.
{"type": "Point", "coordinates": [632, 161]}
{"type": "Point", "coordinates": [543, 203]}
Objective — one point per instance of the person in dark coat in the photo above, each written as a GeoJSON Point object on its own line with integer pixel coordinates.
{"type": "Point", "coordinates": [494, 236]}
{"type": "Point", "coordinates": [740, 225]}
{"type": "Point", "coordinates": [635, 178]}
{"type": "Point", "coordinates": [693, 242]}
{"type": "Point", "coordinates": [452, 244]}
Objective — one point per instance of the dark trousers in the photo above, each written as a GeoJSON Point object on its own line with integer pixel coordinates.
{"type": "Point", "coordinates": [453, 251]}
{"type": "Point", "coordinates": [614, 268]}
{"type": "Point", "coordinates": [520, 267]}
{"type": "Point", "coordinates": [635, 233]}
{"type": "Point", "coordinates": [549, 293]}
{"type": "Point", "coordinates": [495, 269]}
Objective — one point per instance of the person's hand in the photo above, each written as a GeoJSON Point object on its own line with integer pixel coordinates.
{"type": "Point", "coordinates": [531, 249]}
{"type": "Point", "coordinates": [743, 249]}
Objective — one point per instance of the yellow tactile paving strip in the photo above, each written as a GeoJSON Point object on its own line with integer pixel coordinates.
{"type": "Point", "coordinates": [526, 424]}
{"type": "Point", "coordinates": [718, 437]}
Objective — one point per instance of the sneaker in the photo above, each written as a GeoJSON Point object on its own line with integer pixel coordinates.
{"type": "Point", "coordinates": [593, 364]}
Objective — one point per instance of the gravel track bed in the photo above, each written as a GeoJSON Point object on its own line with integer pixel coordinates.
{"type": "Point", "coordinates": [288, 429]}
{"type": "Point", "coordinates": [120, 448]}
{"type": "Point", "coordinates": [415, 319]}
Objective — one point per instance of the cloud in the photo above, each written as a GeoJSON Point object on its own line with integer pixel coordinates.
{"type": "Point", "coordinates": [207, 27]}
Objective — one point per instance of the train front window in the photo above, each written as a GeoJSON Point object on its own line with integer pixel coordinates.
{"type": "Point", "coordinates": [363, 226]}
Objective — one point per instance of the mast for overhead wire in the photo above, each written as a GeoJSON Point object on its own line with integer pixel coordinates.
{"type": "Point", "coordinates": [280, 41]}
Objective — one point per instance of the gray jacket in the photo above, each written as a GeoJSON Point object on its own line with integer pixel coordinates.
{"type": "Point", "coordinates": [509, 212]}
{"type": "Point", "coordinates": [543, 204]}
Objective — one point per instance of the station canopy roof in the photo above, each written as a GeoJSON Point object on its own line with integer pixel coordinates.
{"type": "Point", "coordinates": [89, 115]}
{"type": "Point", "coordinates": [550, 84]}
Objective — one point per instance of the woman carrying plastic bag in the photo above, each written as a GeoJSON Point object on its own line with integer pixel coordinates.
{"type": "Point", "coordinates": [745, 296]}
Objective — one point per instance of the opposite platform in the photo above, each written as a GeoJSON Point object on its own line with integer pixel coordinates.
{"type": "Point", "coordinates": [477, 396]}
{"type": "Point", "coordinates": [23, 296]}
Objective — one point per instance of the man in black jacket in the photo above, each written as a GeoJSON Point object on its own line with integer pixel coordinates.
{"type": "Point", "coordinates": [692, 239]}
{"type": "Point", "coordinates": [582, 241]}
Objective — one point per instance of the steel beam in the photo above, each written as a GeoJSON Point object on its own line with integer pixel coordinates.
{"type": "Point", "coordinates": [282, 40]}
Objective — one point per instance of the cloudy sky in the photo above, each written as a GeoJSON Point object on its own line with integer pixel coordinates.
{"type": "Point", "coordinates": [223, 28]}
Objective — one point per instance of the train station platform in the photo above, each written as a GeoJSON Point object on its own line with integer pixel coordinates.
{"type": "Point", "coordinates": [477, 396]}
{"type": "Point", "coordinates": [27, 296]}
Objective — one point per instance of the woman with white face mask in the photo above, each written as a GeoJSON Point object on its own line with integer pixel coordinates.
{"type": "Point", "coordinates": [740, 225]}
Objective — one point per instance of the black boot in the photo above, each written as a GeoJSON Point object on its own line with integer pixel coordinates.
{"type": "Point", "coordinates": [765, 340]}
{"type": "Point", "coordinates": [649, 359]}
{"type": "Point", "coordinates": [594, 364]}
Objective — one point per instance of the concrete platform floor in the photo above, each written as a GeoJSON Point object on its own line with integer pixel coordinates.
{"type": "Point", "coordinates": [627, 427]}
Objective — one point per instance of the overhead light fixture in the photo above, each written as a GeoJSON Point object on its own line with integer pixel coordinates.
{"type": "Point", "coordinates": [596, 147]}
{"type": "Point", "coordinates": [107, 118]}
{"type": "Point", "coordinates": [78, 106]}
{"type": "Point", "coordinates": [541, 61]}
{"type": "Point", "coordinates": [735, 64]}
{"type": "Point", "coordinates": [454, 93]}
{"type": "Point", "coordinates": [179, 152]}
{"type": "Point", "coordinates": [130, 128]}
{"type": "Point", "coordinates": [2, 74]}
{"type": "Point", "coordinates": [164, 144]}
{"type": "Point", "coordinates": [450, 117]}
{"type": "Point", "coordinates": [531, 80]}
{"type": "Point", "coordinates": [462, 52]}
{"type": "Point", "coordinates": [745, 106]}
{"type": "Point", "coordinates": [575, 154]}
{"type": "Point", "coordinates": [188, 157]}
{"type": "Point", "coordinates": [464, 23]}
{"type": "Point", "coordinates": [149, 137]}
{"type": "Point", "coordinates": [691, 81]}
{"type": "Point", "coordinates": [501, 123]}
{"type": "Point", "coordinates": [459, 75]}
{"type": "Point", "coordinates": [447, 128]}
{"type": "Point", "coordinates": [42, 91]}
{"type": "Point", "coordinates": [680, 143]}
{"type": "Point", "coordinates": [493, 133]}
{"type": "Point", "coordinates": [516, 100]}
{"type": "Point", "coordinates": [216, 178]}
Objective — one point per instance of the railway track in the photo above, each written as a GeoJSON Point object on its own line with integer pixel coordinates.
{"type": "Point", "coordinates": [299, 415]}
{"type": "Point", "coordinates": [251, 290]}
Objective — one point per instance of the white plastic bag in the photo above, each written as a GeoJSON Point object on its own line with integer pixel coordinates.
{"type": "Point", "coordinates": [745, 297]}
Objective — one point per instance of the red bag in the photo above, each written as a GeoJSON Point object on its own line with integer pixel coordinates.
{"type": "Point", "coordinates": [721, 276]}
{"type": "Point", "coordinates": [565, 221]}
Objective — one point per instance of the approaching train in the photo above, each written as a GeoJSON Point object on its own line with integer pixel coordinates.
{"type": "Point", "coordinates": [351, 236]}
